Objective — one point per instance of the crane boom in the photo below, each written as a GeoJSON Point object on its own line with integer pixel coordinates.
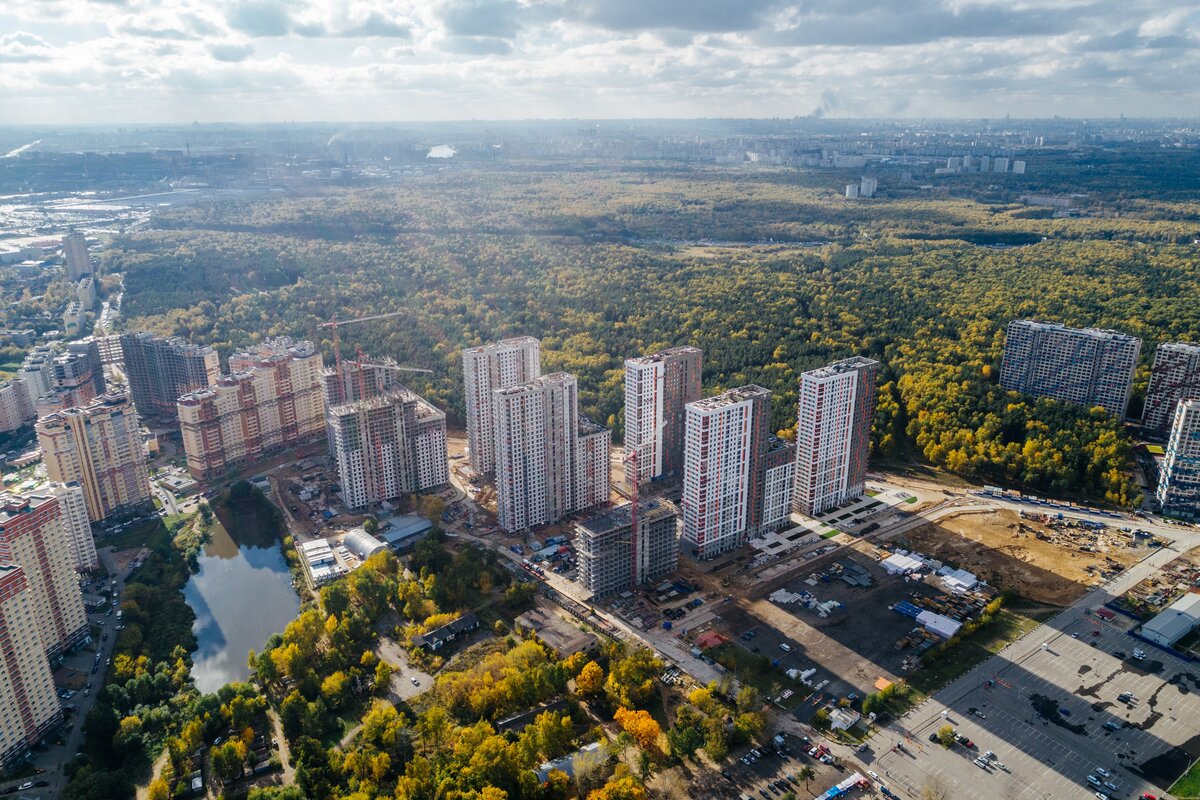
{"type": "Point", "coordinates": [397, 367]}
{"type": "Point", "coordinates": [335, 322]}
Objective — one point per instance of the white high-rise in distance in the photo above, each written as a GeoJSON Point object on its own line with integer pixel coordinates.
{"type": "Point", "coordinates": [500, 365]}
{"type": "Point", "coordinates": [833, 433]}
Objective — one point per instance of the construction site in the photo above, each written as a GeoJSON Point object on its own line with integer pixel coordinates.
{"type": "Point", "coordinates": [1043, 557]}
{"type": "Point", "coordinates": [1163, 587]}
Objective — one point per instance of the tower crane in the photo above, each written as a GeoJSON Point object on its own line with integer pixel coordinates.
{"type": "Point", "coordinates": [336, 323]}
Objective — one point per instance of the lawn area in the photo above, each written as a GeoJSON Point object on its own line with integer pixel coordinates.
{"type": "Point", "coordinates": [756, 671]}
{"type": "Point", "coordinates": [1188, 786]}
{"type": "Point", "coordinates": [1010, 625]}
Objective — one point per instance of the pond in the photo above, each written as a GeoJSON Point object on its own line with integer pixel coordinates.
{"type": "Point", "coordinates": [242, 593]}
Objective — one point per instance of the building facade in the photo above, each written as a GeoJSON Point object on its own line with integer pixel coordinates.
{"type": "Point", "coordinates": [833, 434]}
{"type": "Point", "coordinates": [160, 370]}
{"type": "Point", "coordinates": [73, 507]}
{"type": "Point", "coordinates": [548, 462]}
{"type": "Point", "coordinates": [99, 446]}
{"type": "Point", "coordinates": [1179, 474]}
{"type": "Point", "coordinates": [29, 707]}
{"type": "Point", "coordinates": [272, 400]}
{"type": "Point", "coordinates": [34, 535]}
{"type": "Point", "coordinates": [1174, 377]}
{"type": "Point", "coordinates": [723, 479]}
{"type": "Point", "coordinates": [500, 365]}
{"type": "Point", "coordinates": [1085, 366]}
{"type": "Point", "coordinates": [15, 408]}
{"type": "Point", "coordinates": [386, 446]}
{"type": "Point", "coordinates": [612, 559]}
{"type": "Point", "coordinates": [657, 389]}
{"type": "Point", "coordinates": [779, 482]}
{"type": "Point", "coordinates": [75, 253]}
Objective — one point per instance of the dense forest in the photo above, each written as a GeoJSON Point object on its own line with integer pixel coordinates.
{"type": "Point", "coordinates": [770, 273]}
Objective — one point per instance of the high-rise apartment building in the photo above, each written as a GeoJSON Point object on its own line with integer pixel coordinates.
{"type": "Point", "coordinates": [160, 370]}
{"type": "Point", "coordinates": [15, 408]}
{"type": "Point", "coordinates": [1085, 366]}
{"type": "Point", "coordinates": [500, 365]}
{"type": "Point", "coordinates": [75, 253]}
{"type": "Point", "coordinates": [1174, 377]}
{"type": "Point", "coordinates": [593, 464]}
{"type": "Point", "coordinates": [387, 445]}
{"type": "Point", "coordinates": [109, 348]}
{"type": "Point", "coordinates": [548, 461]}
{"type": "Point", "coordinates": [833, 434]}
{"type": "Point", "coordinates": [613, 558]}
{"type": "Point", "coordinates": [33, 535]}
{"type": "Point", "coordinates": [779, 481]}
{"type": "Point", "coordinates": [73, 507]}
{"type": "Point", "coordinates": [87, 352]}
{"type": "Point", "coordinates": [56, 380]}
{"type": "Point", "coordinates": [100, 447]}
{"type": "Point", "coordinates": [725, 441]}
{"type": "Point", "coordinates": [29, 707]}
{"type": "Point", "coordinates": [657, 388]}
{"type": "Point", "coordinates": [1179, 474]}
{"type": "Point", "coordinates": [273, 399]}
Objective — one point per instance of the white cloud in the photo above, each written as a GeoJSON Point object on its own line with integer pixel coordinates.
{"type": "Point", "coordinates": [113, 60]}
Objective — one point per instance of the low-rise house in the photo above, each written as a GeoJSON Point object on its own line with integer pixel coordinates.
{"type": "Point", "coordinates": [437, 638]}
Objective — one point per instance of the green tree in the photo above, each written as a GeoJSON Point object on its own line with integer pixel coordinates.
{"type": "Point", "coordinates": [945, 735]}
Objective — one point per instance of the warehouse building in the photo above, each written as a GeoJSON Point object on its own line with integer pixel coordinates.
{"type": "Point", "coordinates": [1174, 622]}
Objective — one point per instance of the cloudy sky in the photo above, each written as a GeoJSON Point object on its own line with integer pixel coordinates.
{"type": "Point", "coordinates": [76, 61]}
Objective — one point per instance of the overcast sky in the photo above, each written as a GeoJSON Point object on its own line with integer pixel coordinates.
{"type": "Point", "coordinates": [65, 61]}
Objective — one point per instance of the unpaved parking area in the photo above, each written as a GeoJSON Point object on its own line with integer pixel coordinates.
{"type": "Point", "coordinates": [993, 545]}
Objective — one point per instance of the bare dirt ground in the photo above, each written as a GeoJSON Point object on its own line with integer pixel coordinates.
{"type": "Point", "coordinates": [991, 545]}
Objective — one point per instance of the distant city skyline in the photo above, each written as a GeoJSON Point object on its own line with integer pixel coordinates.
{"type": "Point", "coordinates": [240, 61]}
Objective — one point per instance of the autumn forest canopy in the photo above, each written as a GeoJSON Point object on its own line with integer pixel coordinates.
{"type": "Point", "coordinates": [771, 273]}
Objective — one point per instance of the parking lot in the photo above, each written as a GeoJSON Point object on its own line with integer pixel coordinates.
{"type": "Point", "coordinates": [1056, 714]}
{"type": "Point", "coordinates": [771, 773]}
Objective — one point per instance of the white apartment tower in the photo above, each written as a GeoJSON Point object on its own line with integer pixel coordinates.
{"type": "Point", "coordinates": [1085, 366]}
{"type": "Point", "coordinates": [724, 443]}
{"type": "Point", "coordinates": [548, 461]}
{"type": "Point", "coordinates": [1174, 377]}
{"type": "Point", "coordinates": [15, 406]}
{"type": "Point", "coordinates": [34, 535]}
{"type": "Point", "coordinates": [29, 706]}
{"type": "Point", "coordinates": [779, 482]}
{"type": "Point", "coordinates": [657, 390]}
{"type": "Point", "coordinates": [833, 434]}
{"type": "Point", "coordinates": [73, 507]}
{"type": "Point", "coordinates": [1179, 474]}
{"type": "Point", "coordinates": [500, 365]}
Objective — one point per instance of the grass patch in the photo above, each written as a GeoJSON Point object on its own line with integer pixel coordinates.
{"type": "Point", "coordinates": [911, 500]}
{"type": "Point", "coordinates": [753, 669]}
{"type": "Point", "coordinates": [148, 534]}
{"type": "Point", "coordinates": [829, 534]}
{"type": "Point", "coordinates": [1188, 785]}
{"type": "Point", "coordinates": [1009, 626]}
